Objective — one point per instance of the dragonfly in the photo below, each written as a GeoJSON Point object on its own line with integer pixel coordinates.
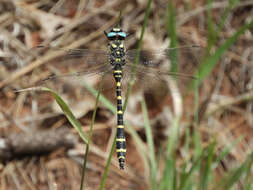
{"type": "Point", "coordinates": [118, 61]}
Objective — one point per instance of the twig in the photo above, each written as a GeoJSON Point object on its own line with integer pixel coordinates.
{"type": "Point", "coordinates": [227, 102]}
{"type": "Point", "coordinates": [19, 144]}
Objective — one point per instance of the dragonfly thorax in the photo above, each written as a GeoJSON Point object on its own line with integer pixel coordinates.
{"type": "Point", "coordinates": [116, 53]}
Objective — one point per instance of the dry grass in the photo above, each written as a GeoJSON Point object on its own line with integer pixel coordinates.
{"type": "Point", "coordinates": [225, 103]}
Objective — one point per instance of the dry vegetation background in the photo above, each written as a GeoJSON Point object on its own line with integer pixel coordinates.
{"type": "Point", "coordinates": [38, 147]}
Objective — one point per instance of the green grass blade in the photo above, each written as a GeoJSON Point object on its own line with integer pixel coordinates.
{"type": "Point", "coordinates": [209, 62]}
{"type": "Point", "coordinates": [90, 133]}
{"type": "Point", "coordinates": [248, 186]}
{"type": "Point", "coordinates": [139, 145]}
{"type": "Point", "coordinates": [173, 136]}
{"type": "Point", "coordinates": [197, 145]}
{"type": "Point", "coordinates": [249, 177]}
{"type": "Point", "coordinates": [121, 11]}
{"type": "Point", "coordinates": [108, 163]}
{"type": "Point", "coordinates": [234, 176]}
{"type": "Point", "coordinates": [187, 140]}
{"type": "Point", "coordinates": [210, 26]}
{"type": "Point", "coordinates": [168, 179]}
{"type": "Point", "coordinates": [207, 170]}
{"type": "Point", "coordinates": [196, 100]}
{"type": "Point", "coordinates": [112, 108]}
{"type": "Point", "coordinates": [102, 99]}
{"type": "Point", "coordinates": [136, 61]}
{"type": "Point", "coordinates": [64, 107]}
{"type": "Point", "coordinates": [226, 150]}
{"type": "Point", "coordinates": [171, 30]}
{"type": "Point", "coordinates": [221, 23]}
{"type": "Point", "coordinates": [151, 149]}
{"type": "Point", "coordinates": [186, 177]}
{"type": "Point", "coordinates": [225, 14]}
{"type": "Point", "coordinates": [75, 123]}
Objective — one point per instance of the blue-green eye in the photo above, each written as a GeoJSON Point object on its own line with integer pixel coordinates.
{"type": "Point", "coordinates": [122, 34]}
{"type": "Point", "coordinates": [111, 34]}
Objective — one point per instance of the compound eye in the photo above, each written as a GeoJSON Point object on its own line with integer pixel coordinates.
{"type": "Point", "coordinates": [111, 34]}
{"type": "Point", "coordinates": [122, 34]}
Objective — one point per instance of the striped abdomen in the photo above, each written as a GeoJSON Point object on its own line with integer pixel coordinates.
{"type": "Point", "coordinates": [120, 139]}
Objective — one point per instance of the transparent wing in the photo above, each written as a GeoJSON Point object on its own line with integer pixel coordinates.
{"type": "Point", "coordinates": [148, 58]}
{"type": "Point", "coordinates": [88, 65]}
{"type": "Point", "coordinates": [89, 72]}
{"type": "Point", "coordinates": [69, 53]}
{"type": "Point", "coordinates": [152, 58]}
{"type": "Point", "coordinates": [155, 68]}
{"type": "Point", "coordinates": [75, 58]}
{"type": "Point", "coordinates": [74, 67]}
{"type": "Point", "coordinates": [69, 81]}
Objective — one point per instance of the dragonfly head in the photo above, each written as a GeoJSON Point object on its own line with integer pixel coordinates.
{"type": "Point", "coordinates": [116, 34]}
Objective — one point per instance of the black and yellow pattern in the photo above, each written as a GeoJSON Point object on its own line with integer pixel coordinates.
{"type": "Point", "coordinates": [120, 139]}
{"type": "Point", "coordinates": [117, 59]}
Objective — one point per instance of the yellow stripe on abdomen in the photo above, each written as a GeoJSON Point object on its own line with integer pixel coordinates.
{"type": "Point", "coordinates": [120, 139]}
{"type": "Point", "coordinates": [121, 150]}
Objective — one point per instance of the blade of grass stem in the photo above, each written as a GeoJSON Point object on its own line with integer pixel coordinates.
{"type": "Point", "coordinates": [187, 141]}
{"type": "Point", "coordinates": [197, 144]}
{"type": "Point", "coordinates": [151, 149]}
{"type": "Point", "coordinates": [234, 176]}
{"type": "Point", "coordinates": [136, 61]}
{"type": "Point", "coordinates": [249, 178]}
{"type": "Point", "coordinates": [121, 11]}
{"type": "Point", "coordinates": [168, 180]}
{"type": "Point", "coordinates": [64, 107]}
{"type": "Point", "coordinates": [90, 132]}
{"type": "Point", "coordinates": [140, 146]}
{"type": "Point", "coordinates": [226, 150]}
{"type": "Point", "coordinates": [69, 114]}
{"type": "Point", "coordinates": [173, 136]}
{"type": "Point", "coordinates": [169, 175]}
{"type": "Point", "coordinates": [196, 101]}
{"type": "Point", "coordinates": [102, 99]}
{"type": "Point", "coordinates": [210, 26]}
{"type": "Point", "coordinates": [221, 22]}
{"type": "Point", "coordinates": [248, 185]}
{"type": "Point", "coordinates": [171, 30]}
{"type": "Point", "coordinates": [186, 177]}
{"type": "Point", "coordinates": [209, 62]}
{"type": "Point", "coordinates": [224, 16]}
{"type": "Point", "coordinates": [207, 170]}
{"type": "Point", "coordinates": [108, 163]}
{"type": "Point", "coordinates": [112, 108]}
